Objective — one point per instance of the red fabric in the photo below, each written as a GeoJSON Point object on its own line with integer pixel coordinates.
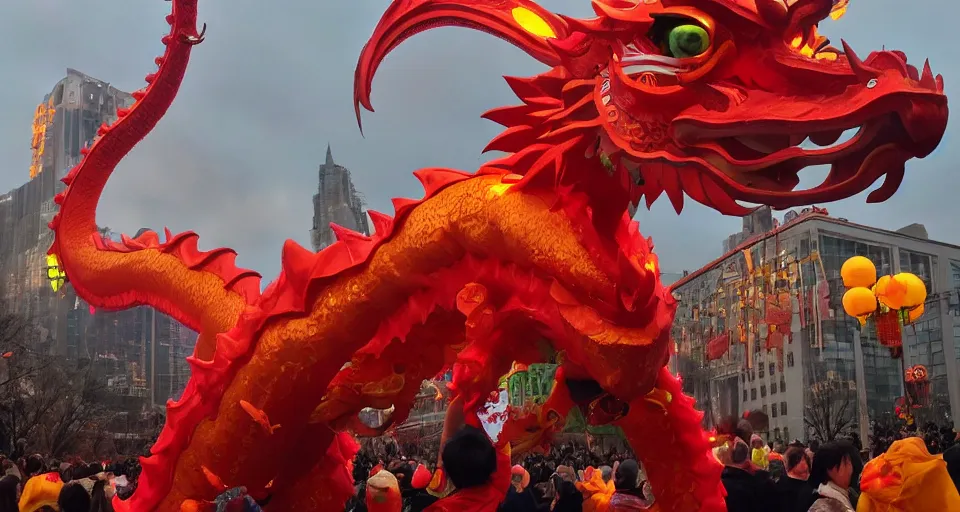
{"type": "Point", "coordinates": [718, 346]}
{"type": "Point", "coordinates": [823, 292]}
{"type": "Point", "coordinates": [485, 498]}
{"type": "Point", "coordinates": [888, 329]}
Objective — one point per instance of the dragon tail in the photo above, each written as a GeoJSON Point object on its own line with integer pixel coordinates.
{"type": "Point", "coordinates": [203, 290]}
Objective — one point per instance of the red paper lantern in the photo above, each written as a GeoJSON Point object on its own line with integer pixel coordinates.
{"type": "Point", "coordinates": [889, 332]}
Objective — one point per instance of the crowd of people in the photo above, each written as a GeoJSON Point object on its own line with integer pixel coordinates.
{"type": "Point", "coordinates": [830, 477]}
{"type": "Point", "coordinates": [570, 477]}
{"type": "Point", "coordinates": [38, 483]}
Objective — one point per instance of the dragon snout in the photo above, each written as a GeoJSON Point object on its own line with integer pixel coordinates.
{"type": "Point", "coordinates": [924, 118]}
{"type": "Point", "coordinates": [921, 105]}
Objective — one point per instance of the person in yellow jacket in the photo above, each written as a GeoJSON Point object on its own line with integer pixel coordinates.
{"type": "Point", "coordinates": [907, 479]}
{"type": "Point", "coordinates": [759, 452]}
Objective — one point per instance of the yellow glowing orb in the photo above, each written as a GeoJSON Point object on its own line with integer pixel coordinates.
{"type": "Point", "coordinates": [532, 22]}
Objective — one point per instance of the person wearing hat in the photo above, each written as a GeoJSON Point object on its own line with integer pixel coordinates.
{"type": "Point", "coordinates": [383, 493]}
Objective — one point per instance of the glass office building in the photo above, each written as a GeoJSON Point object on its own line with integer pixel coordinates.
{"type": "Point", "coordinates": [763, 328]}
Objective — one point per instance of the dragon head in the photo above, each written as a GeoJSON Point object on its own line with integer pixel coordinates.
{"type": "Point", "coordinates": [725, 101]}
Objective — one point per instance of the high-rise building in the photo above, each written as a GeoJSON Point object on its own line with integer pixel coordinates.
{"type": "Point", "coordinates": [763, 328]}
{"type": "Point", "coordinates": [336, 202]}
{"type": "Point", "coordinates": [66, 120]}
{"type": "Point", "coordinates": [136, 350]}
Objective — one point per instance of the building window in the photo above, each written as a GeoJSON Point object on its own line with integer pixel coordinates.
{"type": "Point", "coordinates": [761, 371]}
{"type": "Point", "coordinates": [772, 368]}
{"type": "Point", "coordinates": [773, 388]}
{"type": "Point", "coordinates": [790, 360]}
{"type": "Point", "coordinates": [763, 391]}
{"type": "Point", "coordinates": [744, 395]}
{"type": "Point", "coordinates": [783, 408]}
{"type": "Point", "coordinates": [753, 394]}
{"type": "Point", "coordinates": [783, 384]}
{"type": "Point", "coordinates": [786, 434]}
{"type": "Point", "coordinates": [774, 412]}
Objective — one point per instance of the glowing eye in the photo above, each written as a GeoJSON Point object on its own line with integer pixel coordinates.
{"type": "Point", "coordinates": [686, 41]}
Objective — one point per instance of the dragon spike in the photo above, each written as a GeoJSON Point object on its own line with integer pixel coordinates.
{"type": "Point", "coordinates": [520, 22]}
{"type": "Point", "coordinates": [926, 78]}
{"type": "Point", "coordinates": [382, 223]}
{"type": "Point", "coordinates": [347, 236]}
{"type": "Point", "coordinates": [435, 179]}
{"type": "Point", "coordinates": [864, 73]}
{"type": "Point", "coordinates": [297, 262]}
{"type": "Point", "coordinates": [402, 203]}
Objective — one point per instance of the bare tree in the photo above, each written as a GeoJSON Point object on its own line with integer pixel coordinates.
{"type": "Point", "coordinates": [831, 406]}
{"type": "Point", "coordinates": [18, 342]}
{"type": "Point", "coordinates": [45, 400]}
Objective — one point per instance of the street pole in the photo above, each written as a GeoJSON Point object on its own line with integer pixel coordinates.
{"type": "Point", "coordinates": [153, 358]}
{"type": "Point", "coordinates": [863, 414]}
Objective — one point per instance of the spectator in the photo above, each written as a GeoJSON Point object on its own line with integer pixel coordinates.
{"type": "Point", "coordinates": [9, 493]}
{"type": "Point", "coordinates": [480, 475]}
{"type": "Point", "coordinates": [747, 490]}
{"type": "Point", "coordinates": [794, 494]}
{"type": "Point", "coordinates": [952, 458]}
{"type": "Point", "coordinates": [73, 498]}
{"type": "Point", "coordinates": [832, 472]}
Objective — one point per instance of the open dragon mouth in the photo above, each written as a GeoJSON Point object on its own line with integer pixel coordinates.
{"type": "Point", "coordinates": [780, 146]}
{"type": "Point", "coordinates": [764, 168]}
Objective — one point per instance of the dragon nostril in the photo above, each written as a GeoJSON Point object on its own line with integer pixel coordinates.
{"type": "Point", "coordinates": [871, 83]}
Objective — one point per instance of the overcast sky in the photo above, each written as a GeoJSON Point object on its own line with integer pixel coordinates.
{"type": "Point", "coordinates": [236, 157]}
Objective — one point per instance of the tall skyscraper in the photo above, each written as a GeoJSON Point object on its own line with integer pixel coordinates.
{"type": "Point", "coordinates": [337, 202]}
{"type": "Point", "coordinates": [138, 352]}
{"type": "Point", "coordinates": [66, 121]}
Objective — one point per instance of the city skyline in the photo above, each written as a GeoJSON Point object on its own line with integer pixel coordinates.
{"type": "Point", "coordinates": [237, 136]}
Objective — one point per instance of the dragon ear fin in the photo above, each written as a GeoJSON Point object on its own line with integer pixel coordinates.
{"type": "Point", "coordinates": [521, 22]}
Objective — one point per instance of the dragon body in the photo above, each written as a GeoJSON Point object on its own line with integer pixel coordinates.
{"type": "Point", "coordinates": [708, 98]}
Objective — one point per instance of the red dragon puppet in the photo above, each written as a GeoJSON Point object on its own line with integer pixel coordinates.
{"type": "Point", "coordinates": [706, 98]}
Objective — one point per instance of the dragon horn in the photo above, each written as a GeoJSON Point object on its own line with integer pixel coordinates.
{"type": "Point", "coordinates": [521, 22]}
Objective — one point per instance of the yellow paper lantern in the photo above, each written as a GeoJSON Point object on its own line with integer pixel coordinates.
{"type": "Point", "coordinates": [890, 292]}
{"type": "Point", "coordinates": [858, 271]}
{"type": "Point", "coordinates": [55, 274]}
{"type": "Point", "coordinates": [914, 314]}
{"type": "Point", "coordinates": [859, 302]}
{"type": "Point", "coordinates": [916, 293]}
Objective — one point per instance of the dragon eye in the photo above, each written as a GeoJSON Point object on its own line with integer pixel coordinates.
{"type": "Point", "coordinates": [686, 41]}
{"type": "Point", "coordinates": [679, 37]}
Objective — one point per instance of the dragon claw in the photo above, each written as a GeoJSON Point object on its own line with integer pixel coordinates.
{"type": "Point", "coordinates": [195, 40]}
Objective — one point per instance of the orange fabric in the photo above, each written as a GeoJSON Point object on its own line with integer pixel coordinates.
{"type": "Point", "coordinates": [907, 479]}
{"type": "Point", "coordinates": [40, 491]}
{"type": "Point", "coordinates": [596, 492]}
